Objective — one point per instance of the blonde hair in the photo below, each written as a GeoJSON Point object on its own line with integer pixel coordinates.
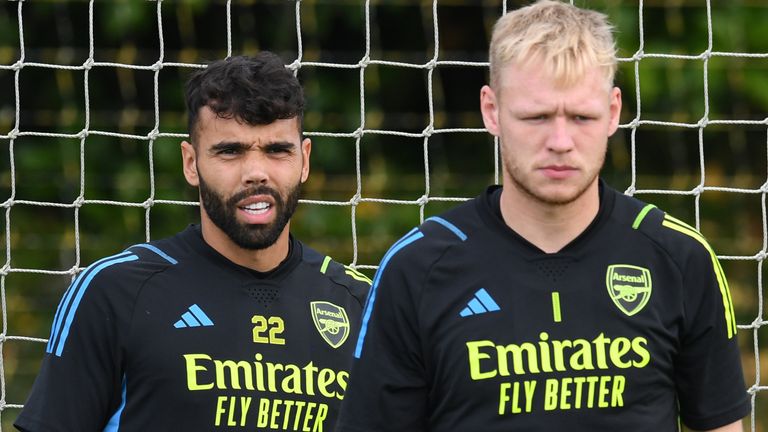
{"type": "Point", "coordinates": [568, 40]}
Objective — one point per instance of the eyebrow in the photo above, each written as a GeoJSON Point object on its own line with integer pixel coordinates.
{"type": "Point", "coordinates": [548, 110]}
{"type": "Point", "coordinates": [236, 145]}
{"type": "Point", "coordinates": [279, 145]}
{"type": "Point", "coordinates": [229, 145]}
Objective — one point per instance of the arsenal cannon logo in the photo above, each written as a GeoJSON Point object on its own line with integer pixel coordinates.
{"type": "Point", "coordinates": [331, 321]}
{"type": "Point", "coordinates": [629, 287]}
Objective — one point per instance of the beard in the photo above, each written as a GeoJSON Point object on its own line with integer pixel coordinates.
{"type": "Point", "coordinates": [222, 212]}
{"type": "Point", "coordinates": [526, 184]}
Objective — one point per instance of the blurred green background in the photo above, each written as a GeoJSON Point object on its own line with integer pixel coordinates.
{"type": "Point", "coordinates": [45, 236]}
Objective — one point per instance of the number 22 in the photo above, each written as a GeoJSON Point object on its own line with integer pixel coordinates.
{"type": "Point", "coordinates": [268, 330]}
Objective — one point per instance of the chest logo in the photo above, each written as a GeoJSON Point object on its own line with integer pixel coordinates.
{"type": "Point", "coordinates": [629, 287]}
{"type": "Point", "coordinates": [331, 321]}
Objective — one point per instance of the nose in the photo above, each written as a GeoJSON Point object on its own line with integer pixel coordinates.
{"type": "Point", "coordinates": [560, 139]}
{"type": "Point", "coordinates": [254, 170]}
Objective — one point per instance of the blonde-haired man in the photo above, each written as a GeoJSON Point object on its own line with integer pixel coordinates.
{"type": "Point", "coordinates": [553, 303]}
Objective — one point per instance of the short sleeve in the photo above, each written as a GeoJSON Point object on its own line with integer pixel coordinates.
{"type": "Point", "coordinates": [79, 383]}
{"type": "Point", "coordinates": [387, 389]}
{"type": "Point", "coordinates": [708, 372]}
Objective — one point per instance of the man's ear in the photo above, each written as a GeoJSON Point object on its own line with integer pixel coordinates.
{"type": "Point", "coordinates": [489, 107]}
{"type": "Point", "coordinates": [189, 163]}
{"type": "Point", "coordinates": [306, 149]}
{"type": "Point", "coordinates": [615, 110]}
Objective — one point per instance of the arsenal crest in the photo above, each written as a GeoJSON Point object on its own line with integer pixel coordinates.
{"type": "Point", "coordinates": [629, 287]}
{"type": "Point", "coordinates": [331, 321]}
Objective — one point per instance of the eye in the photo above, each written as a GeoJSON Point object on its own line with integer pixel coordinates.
{"type": "Point", "coordinates": [279, 149]}
{"type": "Point", "coordinates": [227, 150]}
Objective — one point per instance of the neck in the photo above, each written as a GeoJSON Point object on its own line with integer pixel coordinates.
{"type": "Point", "coordinates": [550, 227]}
{"type": "Point", "coordinates": [261, 260]}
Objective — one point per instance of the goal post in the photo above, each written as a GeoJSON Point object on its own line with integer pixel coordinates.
{"type": "Point", "coordinates": [92, 114]}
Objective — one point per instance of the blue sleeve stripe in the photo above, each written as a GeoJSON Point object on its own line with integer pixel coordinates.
{"type": "Point", "coordinates": [459, 233]}
{"type": "Point", "coordinates": [64, 304]}
{"type": "Point", "coordinates": [154, 249]}
{"type": "Point", "coordinates": [79, 296]}
{"type": "Point", "coordinates": [60, 311]}
{"type": "Point", "coordinates": [413, 230]}
{"type": "Point", "coordinates": [405, 241]}
{"type": "Point", "coordinates": [404, 238]}
{"type": "Point", "coordinates": [114, 422]}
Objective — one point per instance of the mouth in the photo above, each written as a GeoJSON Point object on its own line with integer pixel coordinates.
{"type": "Point", "coordinates": [558, 167]}
{"type": "Point", "coordinates": [558, 172]}
{"type": "Point", "coordinates": [256, 208]}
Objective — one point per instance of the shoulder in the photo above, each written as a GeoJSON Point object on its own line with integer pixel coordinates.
{"type": "Point", "coordinates": [346, 277]}
{"type": "Point", "coordinates": [127, 271]}
{"type": "Point", "coordinates": [426, 244]}
{"type": "Point", "coordinates": [104, 293]}
{"type": "Point", "coordinates": [679, 239]}
{"type": "Point", "coordinates": [680, 244]}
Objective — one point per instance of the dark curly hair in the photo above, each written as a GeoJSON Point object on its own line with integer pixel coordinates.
{"type": "Point", "coordinates": [257, 90]}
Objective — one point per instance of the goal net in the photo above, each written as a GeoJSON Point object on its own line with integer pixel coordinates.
{"type": "Point", "coordinates": [92, 114]}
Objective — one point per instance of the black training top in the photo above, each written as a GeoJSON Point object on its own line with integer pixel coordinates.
{"type": "Point", "coordinates": [469, 327]}
{"type": "Point", "coordinates": [172, 336]}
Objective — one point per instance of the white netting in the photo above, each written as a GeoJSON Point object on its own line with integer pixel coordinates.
{"type": "Point", "coordinates": [431, 130]}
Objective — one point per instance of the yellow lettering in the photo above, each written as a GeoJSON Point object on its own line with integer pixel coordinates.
{"type": "Point", "coordinates": [287, 415]}
{"type": "Point", "coordinates": [475, 356]}
{"type": "Point", "coordinates": [271, 375]}
{"type": "Point", "coordinates": [219, 409]}
{"type": "Point", "coordinates": [263, 419]}
{"type": "Point", "coordinates": [234, 369]}
{"type": "Point", "coordinates": [617, 393]}
{"type": "Point", "coordinates": [558, 346]}
{"type": "Point", "coordinates": [579, 381]}
{"type": "Point", "coordinates": [324, 379]}
{"type": "Point", "coordinates": [309, 376]}
{"type": "Point", "coordinates": [292, 383]}
{"type": "Point", "coordinates": [503, 396]}
{"type": "Point", "coordinates": [547, 355]}
{"type": "Point", "coordinates": [245, 403]}
{"type": "Point", "coordinates": [591, 391]}
{"type": "Point", "coordinates": [564, 393]}
{"type": "Point", "coordinates": [517, 358]}
{"type": "Point", "coordinates": [638, 346]}
{"type": "Point", "coordinates": [516, 399]}
{"type": "Point", "coordinates": [322, 413]}
{"type": "Point", "coordinates": [259, 370]}
{"type": "Point", "coordinates": [582, 358]}
{"type": "Point", "coordinates": [530, 387]}
{"type": "Point", "coordinates": [299, 409]}
{"type": "Point", "coordinates": [519, 390]}
{"type": "Point", "coordinates": [602, 403]}
{"type": "Point", "coordinates": [544, 352]}
{"type": "Point", "coordinates": [231, 416]}
{"type": "Point", "coordinates": [619, 347]}
{"type": "Point", "coordinates": [275, 413]}
{"type": "Point", "coordinates": [342, 378]}
{"type": "Point", "coordinates": [600, 342]}
{"type": "Point", "coordinates": [193, 368]}
{"type": "Point", "coordinates": [550, 395]}
{"type": "Point", "coordinates": [307, 417]}
{"type": "Point", "coordinates": [231, 408]}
